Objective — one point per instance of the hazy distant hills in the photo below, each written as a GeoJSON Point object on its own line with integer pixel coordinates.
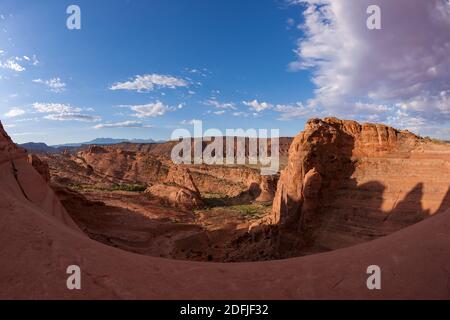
{"type": "Point", "coordinates": [38, 147]}
{"type": "Point", "coordinates": [42, 147]}
{"type": "Point", "coordinates": [105, 141]}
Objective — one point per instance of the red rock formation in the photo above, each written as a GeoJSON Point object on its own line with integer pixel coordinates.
{"type": "Point", "coordinates": [21, 183]}
{"type": "Point", "coordinates": [181, 176]}
{"type": "Point", "coordinates": [38, 243]}
{"type": "Point", "coordinates": [368, 181]}
{"type": "Point", "coordinates": [176, 196]}
{"type": "Point", "coordinates": [268, 188]}
{"type": "Point", "coordinates": [40, 166]}
{"type": "Point", "coordinates": [178, 190]}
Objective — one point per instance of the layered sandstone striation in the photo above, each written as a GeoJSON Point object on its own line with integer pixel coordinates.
{"type": "Point", "coordinates": [346, 183]}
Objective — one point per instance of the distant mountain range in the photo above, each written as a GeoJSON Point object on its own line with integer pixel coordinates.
{"type": "Point", "coordinates": [42, 147]}
{"type": "Point", "coordinates": [105, 141]}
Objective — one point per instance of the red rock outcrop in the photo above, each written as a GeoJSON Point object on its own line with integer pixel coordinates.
{"type": "Point", "coordinates": [21, 183]}
{"type": "Point", "coordinates": [346, 183]}
{"type": "Point", "coordinates": [181, 176]}
{"type": "Point", "coordinates": [40, 166]}
{"type": "Point", "coordinates": [178, 190]}
{"type": "Point", "coordinates": [268, 188]}
{"type": "Point", "coordinates": [176, 196]}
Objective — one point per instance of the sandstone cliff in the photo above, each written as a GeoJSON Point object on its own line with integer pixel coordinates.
{"type": "Point", "coordinates": [347, 183]}
{"type": "Point", "coordinates": [21, 183]}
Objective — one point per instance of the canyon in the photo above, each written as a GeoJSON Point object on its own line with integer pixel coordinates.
{"type": "Point", "coordinates": [349, 195]}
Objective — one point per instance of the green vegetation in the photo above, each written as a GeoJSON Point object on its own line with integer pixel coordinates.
{"type": "Point", "coordinates": [129, 187]}
{"type": "Point", "coordinates": [116, 187]}
{"type": "Point", "coordinates": [243, 211]}
{"type": "Point", "coordinates": [252, 211]}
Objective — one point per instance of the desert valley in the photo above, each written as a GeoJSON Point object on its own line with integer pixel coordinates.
{"type": "Point", "coordinates": [346, 190]}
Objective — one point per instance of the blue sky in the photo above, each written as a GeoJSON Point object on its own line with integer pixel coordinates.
{"type": "Point", "coordinates": [227, 52]}
{"type": "Point", "coordinates": [143, 68]}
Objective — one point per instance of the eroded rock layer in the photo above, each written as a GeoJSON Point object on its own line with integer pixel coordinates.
{"type": "Point", "coordinates": [346, 183]}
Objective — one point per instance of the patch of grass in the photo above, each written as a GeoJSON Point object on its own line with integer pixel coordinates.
{"type": "Point", "coordinates": [129, 187]}
{"type": "Point", "coordinates": [250, 210]}
{"type": "Point", "coordinates": [117, 187]}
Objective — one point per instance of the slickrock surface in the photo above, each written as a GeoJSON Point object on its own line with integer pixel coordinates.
{"type": "Point", "coordinates": [370, 180]}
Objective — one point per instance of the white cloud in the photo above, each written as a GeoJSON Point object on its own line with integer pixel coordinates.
{"type": "Point", "coordinates": [55, 84]}
{"type": "Point", "coordinates": [35, 60]}
{"type": "Point", "coordinates": [190, 122]}
{"type": "Point", "coordinates": [219, 105]}
{"type": "Point", "coordinates": [370, 74]}
{"type": "Point", "coordinates": [65, 112]}
{"type": "Point", "coordinates": [124, 124]}
{"type": "Point", "coordinates": [257, 106]}
{"type": "Point", "coordinates": [12, 64]}
{"type": "Point", "coordinates": [199, 72]}
{"type": "Point", "coordinates": [150, 82]}
{"type": "Point", "coordinates": [296, 111]}
{"type": "Point", "coordinates": [219, 113]}
{"type": "Point", "coordinates": [240, 114]}
{"type": "Point", "coordinates": [15, 112]}
{"type": "Point", "coordinates": [150, 110]}
{"type": "Point", "coordinates": [72, 117]}
{"type": "Point", "coordinates": [55, 108]}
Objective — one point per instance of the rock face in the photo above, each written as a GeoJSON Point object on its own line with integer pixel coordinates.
{"type": "Point", "coordinates": [268, 188]}
{"type": "Point", "coordinates": [347, 183]}
{"type": "Point", "coordinates": [40, 166]}
{"type": "Point", "coordinates": [21, 183]}
{"type": "Point", "coordinates": [176, 196]}
{"type": "Point", "coordinates": [181, 176]}
{"type": "Point", "coordinates": [178, 190]}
